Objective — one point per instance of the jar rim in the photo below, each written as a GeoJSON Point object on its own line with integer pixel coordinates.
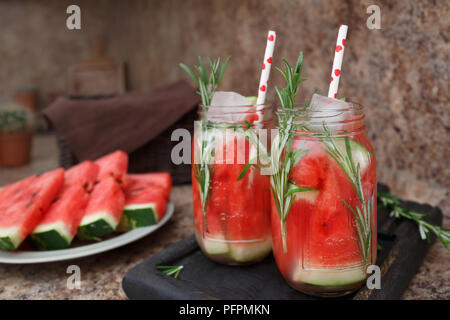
{"type": "Point", "coordinates": [344, 120]}
{"type": "Point", "coordinates": [238, 114]}
{"type": "Point", "coordinates": [352, 106]}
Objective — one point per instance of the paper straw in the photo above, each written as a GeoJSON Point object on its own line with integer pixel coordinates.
{"type": "Point", "coordinates": [265, 73]}
{"type": "Point", "coordinates": [337, 63]}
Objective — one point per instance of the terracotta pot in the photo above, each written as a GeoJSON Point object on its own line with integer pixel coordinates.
{"type": "Point", "coordinates": [15, 149]}
{"type": "Point", "coordinates": [28, 98]}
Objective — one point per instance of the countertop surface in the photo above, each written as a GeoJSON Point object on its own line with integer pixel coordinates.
{"type": "Point", "coordinates": [101, 275]}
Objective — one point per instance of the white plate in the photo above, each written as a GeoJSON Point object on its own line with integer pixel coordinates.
{"type": "Point", "coordinates": [24, 257]}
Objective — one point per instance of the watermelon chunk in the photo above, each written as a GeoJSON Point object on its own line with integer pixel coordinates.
{"type": "Point", "coordinates": [113, 165]}
{"type": "Point", "coordinates": [142, 208]}
{"type": "Point", "coordinates": [23, 205]}
{"type": "Point", "coordinates": [104, 210]}
{"type": "Point", "coordinates": [248, 218]}
{"type": "Point", "coordinates": [59, 225]}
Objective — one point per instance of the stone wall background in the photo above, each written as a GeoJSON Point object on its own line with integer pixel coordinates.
{"type": "Point", "coordinates": [399, 73]}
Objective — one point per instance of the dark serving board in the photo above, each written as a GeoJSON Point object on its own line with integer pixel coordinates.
{"type": "Point", "coordinates": [401, 255]}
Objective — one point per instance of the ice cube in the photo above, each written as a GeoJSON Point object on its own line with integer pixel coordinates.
{"type": "Point", "coordinates": [223, 107]}
{"type": "Point", "coordinates": [328, 109]}
{"type": "Point", "coordinates": [229, 99]}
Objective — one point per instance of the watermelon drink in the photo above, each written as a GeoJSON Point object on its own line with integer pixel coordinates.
{"type": "Point", "coordinates": [328, 236]}
{"type": "Point", "coordinates": [231, 196]}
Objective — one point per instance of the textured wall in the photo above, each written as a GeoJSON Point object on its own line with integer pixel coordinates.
{"type": "Point", "coordinates": [399, 73]}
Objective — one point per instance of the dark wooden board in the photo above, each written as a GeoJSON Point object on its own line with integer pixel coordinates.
{"type": "Point", "coordinates": [401, 255]}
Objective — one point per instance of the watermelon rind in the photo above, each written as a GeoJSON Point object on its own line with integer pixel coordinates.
{"type": "Point", "coordinates": [10, 238]}
{"type": "Point", "coordinates": [330, 277]}
{"type": "Point", "coordinates": [138, 215]}
{"type": "Point", "coordinates": [307, 195]}
{"type": "Point", "coordinates": [360, 154]}
{"type": "Point", "coordinates": [97, 225]}
{"type": "Point", "coordinates": [51, 236]}
{"type": "Point", "coordinates": [213, 246]}
{"type": "Point", "coordinates": [251, 251]}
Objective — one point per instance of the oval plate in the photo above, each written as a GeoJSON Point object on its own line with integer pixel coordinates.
{"type": "Point", "coordinates": [25, 257]}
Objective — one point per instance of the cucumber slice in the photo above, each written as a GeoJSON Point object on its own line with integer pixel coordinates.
{"type": "Point", "coordinates": [330, 277]}
{"type": "Point", "coordinates": [360, 154]}
{"type": "Point", "coordinates": [307, 195]}
{"type": "Point", "coordinates": [246, 252]}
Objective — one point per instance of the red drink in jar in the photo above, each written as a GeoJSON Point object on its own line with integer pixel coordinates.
{"type": "Point", "coordinates": [231, 198]}
{"type": "Point", "coordinates": [328, 237]}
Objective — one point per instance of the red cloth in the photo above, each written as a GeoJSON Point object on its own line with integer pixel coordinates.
{"type": "Point", "coordinates": [96, 127]}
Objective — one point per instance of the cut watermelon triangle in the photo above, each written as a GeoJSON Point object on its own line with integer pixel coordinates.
{"type": "Point", "coordinates": [60, 223]}
{"type": "Point", "coordinates": [103, 211]}
{"type": "Point", "coordinates": [142, 208]}
{"type": "Point", "coordinates": [113, 165]}
{"type": "Point", "coordinates": [21, 213]}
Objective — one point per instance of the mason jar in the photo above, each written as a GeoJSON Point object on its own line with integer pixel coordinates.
{"type": "Point", "coordinates": [327, 237]}
{"type": "Point", "coordinates": [231, 191]}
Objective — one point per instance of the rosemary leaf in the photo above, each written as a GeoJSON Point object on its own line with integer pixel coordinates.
{"type": "Point", "coordinates": [426, 229]}
{"type": "Point", "coordinates": [170, 270]}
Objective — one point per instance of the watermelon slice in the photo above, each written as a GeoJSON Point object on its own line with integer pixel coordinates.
{"type": "Point", "coordinates": [59, 225]}
{"type": "Point", "coordinates": [23, 205]}
{"type": "Point", "coordinates": [113, 165]}
{"type": "Point", "coordinates": [142, 208]}
{"type": "Point", "coordinates": [104, 210]}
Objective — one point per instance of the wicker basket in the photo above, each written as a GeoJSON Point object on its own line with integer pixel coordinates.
{"type": "Point", "coordinates": [151, 157]}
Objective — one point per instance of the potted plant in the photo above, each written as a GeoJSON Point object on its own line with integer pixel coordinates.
{"type": "Point", "coordinates": [16, 132]}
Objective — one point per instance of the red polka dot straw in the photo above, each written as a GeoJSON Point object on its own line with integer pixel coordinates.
{"type": "Point", "coordinates": [337, 63]}
{"type": "Point", "coordinates": [265, 73]}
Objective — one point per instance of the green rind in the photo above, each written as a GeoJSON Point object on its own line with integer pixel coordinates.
{"type": "Point", "coordinates": [50, 240]}
{"type": "Point", "coordinates": [212, 246]}
{"type": "Point", "coordinates": [360, 154]}
{"type": "Point", "coordinates": [135, 218]}
{"type": "Point", "coordinates": [95, 230]}
{"type": "Point", "coordinates": [215, 247]}
{"type": "Point", "coordinates": [330, 278]}
{"type": "Point", "coordinates": [7, 244]}
{"type": "Point", "coordinates": [250, 252]}
{"type": "Point", "coordinates": [308, 195]}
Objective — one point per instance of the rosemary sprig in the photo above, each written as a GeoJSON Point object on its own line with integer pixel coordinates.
{"type": "Point", "coordinates": [262, 156]}
{"type": "Point", "coordinates": [390, 202]}
{"type": "Point", "coordinates": [170, 270]}
{"type": "Point", "coordinates": [283, 159]}
{"type": "Point", "coordinates": [207, 81]}
{"type": "Point", "coordinates": [364, 213]}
